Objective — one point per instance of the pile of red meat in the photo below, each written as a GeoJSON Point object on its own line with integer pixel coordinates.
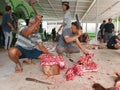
{"type": "Point", "coordinates": [85, 64]}
{"type": "Point", "coordinates": [48, 60]}
{"type": "Point", "coordinates": [117, 88]}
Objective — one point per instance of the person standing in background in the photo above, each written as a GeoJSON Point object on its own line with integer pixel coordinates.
{"type": "Point", "coordinates": [108, 30]}
{"type": "Point", "coordinates": [7, 27]}
{"type": "Point", "coordinates": [45, 34]}
{"type": "Point", "coordinates": [2, 38]}
{"type": "Point", "coordinates": [101, 31]}
{"type": "Point", "coordinates": [67, 16]}
{"type": "Point", "coordinates": [53, 35]}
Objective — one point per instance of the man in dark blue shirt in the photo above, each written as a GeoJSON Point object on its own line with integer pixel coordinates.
{"type": "Point", "coordinates": [101, 31]}
{"type": "Point", "coordinates": [7, 27]}
{"type": "Point", "coordinates": [108, 30]}
{"type": "Point", "coordinates": [2, 38]}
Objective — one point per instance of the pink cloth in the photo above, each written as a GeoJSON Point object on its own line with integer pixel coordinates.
{"type": "Point", "coordinates": [47, 60]}
{"type": "Point", "coordinates": [85, 64]}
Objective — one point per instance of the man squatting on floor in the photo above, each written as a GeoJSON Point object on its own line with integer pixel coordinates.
{"type": "Point", "coordinates": [27, 39]}
{"type": "Point", "coordinates": [70, 35]}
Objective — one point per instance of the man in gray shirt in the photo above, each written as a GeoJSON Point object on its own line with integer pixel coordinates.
{"type": "Point", "coordinates": [67, 16]}
{"type": "Point", "coordinates": [69, 36]}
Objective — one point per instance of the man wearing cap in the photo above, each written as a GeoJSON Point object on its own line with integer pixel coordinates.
{"type": "Point", "coordinates": [67, 16]}
{"type": "Point", "coordinates": [68, 36]}
{"type": "Point", "coordinates": [27, 41]}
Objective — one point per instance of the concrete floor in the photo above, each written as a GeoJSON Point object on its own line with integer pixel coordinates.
{"type": "Point", "coordinates": [108, 63]}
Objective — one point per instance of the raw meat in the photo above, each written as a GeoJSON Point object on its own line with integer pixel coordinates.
{"type": "Point", "coordinates": [88, 63]}
{"type": "Point", "coordinates": [48, 60]}
{"type": "Point", "coordinates": [85, 64]}
{"type": "Point", "coordinates": [70, 74]}
{"type": "Point", "coordinates": [118, 88]}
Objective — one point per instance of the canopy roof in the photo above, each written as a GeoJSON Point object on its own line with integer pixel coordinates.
{"type": "Point", "coordinates": [87, 10]}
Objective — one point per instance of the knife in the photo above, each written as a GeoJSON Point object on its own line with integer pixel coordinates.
{"type": "Point", "coordinates": [72, 60]}
{"type": "Point", "coordinates": [38, 81]}
{"type": "Point", "coordinates": [77, 19]}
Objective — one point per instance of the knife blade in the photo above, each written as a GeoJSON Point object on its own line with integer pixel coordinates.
{"type": "Point", "coordinates": [38, 81]}
{"type": "Point", "coordinates": [71, 60]}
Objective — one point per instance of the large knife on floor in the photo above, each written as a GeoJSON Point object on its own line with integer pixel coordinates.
{"type": "Point", "coordinates": [38, 81]}
{"type": "Point", "coordinates": [71, 60]}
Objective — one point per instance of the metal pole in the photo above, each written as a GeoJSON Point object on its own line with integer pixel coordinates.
{"type": "Point", "coordinates": [97, 13]}
{"type": "Point", "coordinates": [93, 3]}
{"type": "Point", "coordinates": [117, 24]}
{"type": "Point", "coordinates": [86, 27]}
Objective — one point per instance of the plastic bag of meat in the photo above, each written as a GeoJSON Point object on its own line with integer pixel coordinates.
{"type": "Point", "coordinates": [47, 60]}
{"type": "Point", "coordinates": [51, 70]}
{"type": "Point", "coordinates": [51, 64]}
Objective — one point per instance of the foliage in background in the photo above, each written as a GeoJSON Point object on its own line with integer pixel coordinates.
{"type": "Point", "coordinates": [2, 6]}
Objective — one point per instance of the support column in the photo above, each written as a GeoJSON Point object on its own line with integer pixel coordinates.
{"type": "Point", "coordinates": [82, 24]}
{"type": "Point", "coordinates": [117, 26]}
{"type": "Point", "coordinates": [97, 13]}
{"type": "Point", "coordinates": [86, 27]}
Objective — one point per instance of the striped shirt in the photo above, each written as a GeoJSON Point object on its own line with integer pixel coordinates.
{"type": "Point", "coordinates": [28, 42]}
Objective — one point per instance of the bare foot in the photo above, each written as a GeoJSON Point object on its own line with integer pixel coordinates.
{"type": "Point", "coordinates": [28, 62]}
{"type": "Point", "coordinates": [18, 68]}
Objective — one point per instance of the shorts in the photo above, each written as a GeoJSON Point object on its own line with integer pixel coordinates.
{"type": "Point", "coordinates": [108, 36]}
{"type": "Point", "coordinates": [33, 54]}
{"type": "Point", "coordinates": [111, 46]}
{"type": "Point", "coordinates": [70, 49]}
